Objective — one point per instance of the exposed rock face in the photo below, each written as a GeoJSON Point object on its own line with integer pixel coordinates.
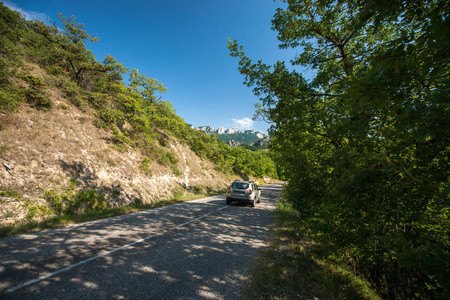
{"type": "Point", "coordinates": [207, 129]}
{"type": "Point", "coordinates": [221, 130]}
{"type": "Point", "coordinates": [46, 151]}
{"type": "Point", "coordinates": [233, 144]}
{"type": "Point", "coordinates": [235, 138]}
{"type": "Point", "coordinates": [260, 135]}
{"type": "Point", "coordinates": [230, 131]}
{"type": "Point", "coordinates": [262, 142]}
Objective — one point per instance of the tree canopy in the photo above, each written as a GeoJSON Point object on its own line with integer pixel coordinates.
{"type": "Point", "coordinates": [364, 143]}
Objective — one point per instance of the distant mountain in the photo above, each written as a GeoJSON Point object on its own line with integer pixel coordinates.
{"type": "Point", "coordinates": [210, 129]}
{"type": "Point", "coordinates": [236, 136]}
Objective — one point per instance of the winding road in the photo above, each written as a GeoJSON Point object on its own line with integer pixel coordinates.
{"type": "Point", "coordinates": [194, 250]}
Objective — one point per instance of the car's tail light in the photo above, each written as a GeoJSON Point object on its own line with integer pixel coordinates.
{"type": "Point", "coordinates": [228, 190]}
{"type": "Point", "coordinates": [250, 191]}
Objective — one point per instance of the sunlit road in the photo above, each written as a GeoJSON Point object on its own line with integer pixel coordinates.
{"type": "Point", "coordinates": [194, 250]}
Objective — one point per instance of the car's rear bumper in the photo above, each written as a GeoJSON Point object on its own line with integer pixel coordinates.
{"type": "Point", "coordinates": [240, 200]}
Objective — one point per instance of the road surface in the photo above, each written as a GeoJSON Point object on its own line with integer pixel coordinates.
{"type": "Point", "coordinates": [194, 250]}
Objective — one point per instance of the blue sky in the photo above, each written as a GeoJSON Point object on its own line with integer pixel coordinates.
{"type": "Point", "coordinates": [182, 44]}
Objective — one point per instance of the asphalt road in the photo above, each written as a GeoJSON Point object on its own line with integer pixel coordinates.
{"type": "Point", "coordinates": [194, 250]}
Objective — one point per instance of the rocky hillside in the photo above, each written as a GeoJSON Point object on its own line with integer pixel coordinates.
{"type": "Point", "coordinates": [48, 151]}
{"type": "Point", "coordinates": [234, 137]}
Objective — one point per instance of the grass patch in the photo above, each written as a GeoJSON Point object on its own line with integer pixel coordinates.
{"type": "Point", "coordinates": [146, 166]}
{"type": "Point", "coordinates": [29, 225]}
{"type": "Point", "coordinates": [62, 106]}
{"type": "Point", "coordinates": [11, 194]}
{"type": "Point", "coordinates": [3, 149]}
{"type": "Point", "coordinates": [176, 171]}
{"type": "Point", "coordinates": [291, 268]}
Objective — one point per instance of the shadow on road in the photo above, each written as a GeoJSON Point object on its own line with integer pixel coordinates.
{"type": "Point", "coordinates": [204, 259]}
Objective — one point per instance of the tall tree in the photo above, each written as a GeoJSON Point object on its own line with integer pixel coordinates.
{"type": "Point", "coordinates": [70, 49]}
{"type": "Point", "coordinates": [147, 88]}
{"type": "Point", "coordinates": [365, 142]}
{"type": "Point", "coordinates": [73, 40]}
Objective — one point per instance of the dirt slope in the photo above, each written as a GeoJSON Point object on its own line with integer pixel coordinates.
{"type": "Point", "coordinates": [46, 149]}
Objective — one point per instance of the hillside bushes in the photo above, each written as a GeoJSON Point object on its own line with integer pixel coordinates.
{"type": "Point", "coordinates": [73, 201]}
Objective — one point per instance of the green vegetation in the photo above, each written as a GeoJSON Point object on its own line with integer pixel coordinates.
{"type": "Point", "coordinates": [73, 201]}
{"type": "Point", "coordinates": [262, 144]}
{"type": "Point", "coordinates": [145, 166]}
{"type": "Point", "coordinates": [11, 194]}
{"type": "Point", "coordinates": [135, 114]}
{"type": "Point", "coordinates": [364, 144]}
{"type": "Point", "coordinates": [3, 149]}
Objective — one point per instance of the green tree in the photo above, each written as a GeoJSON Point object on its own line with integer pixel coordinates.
{"type": "Point", "coordinates": [147, 88]}
{"type": "Point", "coordinates": [72, 41]}
{"type": "Point", "coordinates": [114, 68]}
{"type": "Point", "coordinates": [68, 48]}
{"type": "Point", "coordinates": [365, 142]}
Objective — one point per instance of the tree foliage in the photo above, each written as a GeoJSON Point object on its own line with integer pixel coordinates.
{"type": "Point", "coordinates": [365, 142]}
{"type": "Point", "coordinates": [146, 88]}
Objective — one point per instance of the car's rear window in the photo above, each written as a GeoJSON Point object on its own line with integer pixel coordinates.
{"type": "Point", "coordinates": [240, 185]}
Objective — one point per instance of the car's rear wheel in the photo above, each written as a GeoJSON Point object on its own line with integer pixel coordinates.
{"type": "Point", "coordinates": [228, 201]}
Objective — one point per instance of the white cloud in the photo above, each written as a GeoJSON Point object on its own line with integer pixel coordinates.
{"type": "Point", "coordinates": [29, 15]}
{"type": "Point", "coordinates": [245, 123]}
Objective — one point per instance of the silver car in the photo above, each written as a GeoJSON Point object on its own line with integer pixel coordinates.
{"type": "Point", "coordinates": [244, 192]}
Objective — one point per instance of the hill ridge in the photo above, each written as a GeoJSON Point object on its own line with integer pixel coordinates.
{"type": "Point", "coordinates": [232, 137]}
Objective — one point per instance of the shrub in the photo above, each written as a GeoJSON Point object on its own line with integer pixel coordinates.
{"type": "Point", "coordinates": [9, 99]}
{"type": "Point", "coordinates": [63, 106]}
{"type": "Point", "coordinates": [166, 158]}
{"type": "Point", "coordinates": [201, 189]}
{"type": "Point", "coordinates": [73, 201]}
{"type": "Point", "coordinates": [3, 149]}
{"type": "Point", "coordinates": [85, 201]}
{"type": "Point", "coordinates": [11, 193]}
{"type": "Point", "coordinates": [55, 201]}
{"type": "Point", "coordinates": [119, 140]}
{"type": "Point", "coordinates": [162, 139]}
{"type": "Point", "coordinates": [74, 93]}
{"type": "Point", "coordinates": [36, 94]}
{"type": "Point", "coordinates": [176, 171]}
{"type": "Point", "coordinates": [35, 210]}
{"type": "Point", "coordinates": [145, 166]}
{"type": "Point", "coordinates": [54, 70]}
{"type": "Point", "coordinates": [57, 80]}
